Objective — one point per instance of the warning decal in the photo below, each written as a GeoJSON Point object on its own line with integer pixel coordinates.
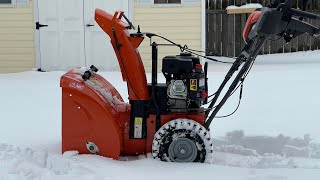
{"type": "Point", "coordinates": [193, 84]}
{"type": "Point", "coordinates": [138, 127]}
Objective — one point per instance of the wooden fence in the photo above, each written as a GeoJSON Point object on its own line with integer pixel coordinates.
{"type": "Point", "coordinates": [224, 32]}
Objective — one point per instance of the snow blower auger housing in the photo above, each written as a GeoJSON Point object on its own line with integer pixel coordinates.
{"type": "Point", "coordinates": [166, 119]}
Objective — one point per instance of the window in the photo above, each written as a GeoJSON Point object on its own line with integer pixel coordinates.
{"type": "Point", "coordinates": [6, 2]}
{"type": "Point", "coordinates": [167, 1]}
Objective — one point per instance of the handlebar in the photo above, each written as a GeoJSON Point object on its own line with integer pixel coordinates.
{"type": "Point", "coordinates": [283, 21]}
{"type": "Point", "coordinates": [304, 14]}
{"type": "Point", "coordinates": [275, 3]}
{"type": "Point", "coordinates": [286, 4]}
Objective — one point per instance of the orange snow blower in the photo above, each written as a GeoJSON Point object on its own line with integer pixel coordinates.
{"type": "Point", "coordinates": [168, 119]}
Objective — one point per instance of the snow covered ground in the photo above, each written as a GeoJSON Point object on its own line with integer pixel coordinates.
{"type": "Point", "coordinates": [274, 134]}
{"type": "Point", "coordinates": [250, 5]}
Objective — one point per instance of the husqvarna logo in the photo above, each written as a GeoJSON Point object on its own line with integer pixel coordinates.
{"type": "Point", "coordinates": [76, 86]}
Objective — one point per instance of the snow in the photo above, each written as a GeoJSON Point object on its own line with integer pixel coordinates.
{"type": "Point", "coordinates": [265, 151]}
{"type": "Point", "coordinates": [24, 163]}
{"type": "Point", "coordinates": [112, 100]}
{"type": "Point", "coordinates": [250, 5]}
{"type": "Point", "coordinates": [281, 97]}
{"type": "Point", "coordinates": [274, 134]}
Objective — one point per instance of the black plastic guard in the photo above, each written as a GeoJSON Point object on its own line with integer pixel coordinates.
{"type": "Point", "coordinates": [270, 23]}
{"type": "Point", "coordinates": [138, 118]}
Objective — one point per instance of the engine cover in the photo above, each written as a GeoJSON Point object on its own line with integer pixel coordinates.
{"type": "Point", "coordinates": [185, 81]}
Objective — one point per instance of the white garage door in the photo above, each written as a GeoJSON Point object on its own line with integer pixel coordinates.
{"type": "Point", "coordinates": [72, 37]}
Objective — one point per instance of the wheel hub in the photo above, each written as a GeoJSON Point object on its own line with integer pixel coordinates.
{"type": "Point", "coordinates": [182, 150]}
{"type": "Point", "coordinates": [182, 140]}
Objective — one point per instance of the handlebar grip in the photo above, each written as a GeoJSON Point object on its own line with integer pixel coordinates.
{"type": "Point", "coordinates": [305, 14]}
{"type": "Point", "coordinates": [275, 3]}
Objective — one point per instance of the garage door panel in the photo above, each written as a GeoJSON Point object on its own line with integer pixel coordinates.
{"type": "Point", "coordinates": [72, 50]}
{"type": "Point", "coordinates": [62, 42]}
{"type": "Point", "coordinates": [67, 41]}
{"type": "Point", "coordinates": [49, 52]}
{"type": "Point", "coordinates": [99, 50]}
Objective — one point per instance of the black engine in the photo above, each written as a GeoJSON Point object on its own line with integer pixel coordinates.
{"type": "Point", "coordinates": [185, 88]}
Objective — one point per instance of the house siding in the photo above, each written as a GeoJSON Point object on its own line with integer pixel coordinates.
{"type": "Point", "coordinates": [179, 23]}
{"type": "Point", "coordinates": [17, 47]}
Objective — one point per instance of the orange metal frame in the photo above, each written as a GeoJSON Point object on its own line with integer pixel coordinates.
{"type": "Point", "coordinates": [128, 56]}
